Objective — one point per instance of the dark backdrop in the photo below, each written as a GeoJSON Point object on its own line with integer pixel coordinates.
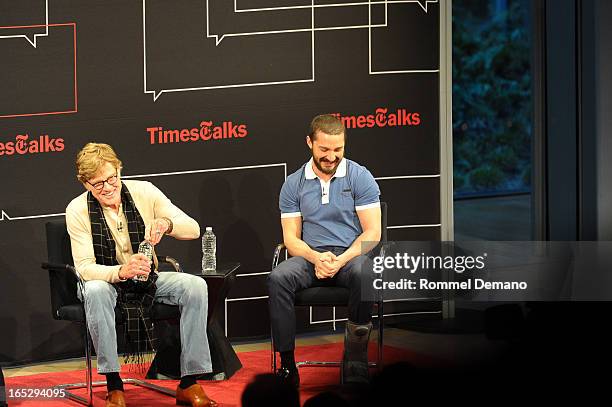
{"type": "Point", "coordinates": [114, 71]}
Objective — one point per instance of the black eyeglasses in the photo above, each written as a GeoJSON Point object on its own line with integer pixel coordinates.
{"type": "Point", "coordinates": [112, 180]}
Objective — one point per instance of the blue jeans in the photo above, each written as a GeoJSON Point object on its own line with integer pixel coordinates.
{"type": "Point", "coordinates": [187, 291]}
{"type": "Point", "coordinates": [296, 273]}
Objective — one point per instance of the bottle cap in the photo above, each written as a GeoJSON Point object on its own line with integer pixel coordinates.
{"type": "Point", "coordinates": [209, 228]}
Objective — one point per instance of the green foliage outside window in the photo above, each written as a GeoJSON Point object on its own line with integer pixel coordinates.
{"type": "Point", "coordinates": [492, 120]}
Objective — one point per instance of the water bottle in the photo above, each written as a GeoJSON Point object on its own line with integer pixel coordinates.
{"type": "Point", "coordinates": [145, 248]}
{"type": "Point", "coordinates": [209, 251]}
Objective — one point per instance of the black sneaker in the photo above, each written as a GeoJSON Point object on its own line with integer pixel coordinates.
{"type": "Point", "coordinates": [289, 375]}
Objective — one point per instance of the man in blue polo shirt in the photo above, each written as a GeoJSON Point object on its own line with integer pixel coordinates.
{"type": "Point", "coordinates": [329, 208]}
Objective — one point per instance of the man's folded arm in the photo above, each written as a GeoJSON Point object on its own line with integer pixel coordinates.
{"type": "Point", "coordinates": [367, 206]}
{"type": "Point", "coordinates": [370, 220]}
{"type": "Point", "coordinates": [184, 227]}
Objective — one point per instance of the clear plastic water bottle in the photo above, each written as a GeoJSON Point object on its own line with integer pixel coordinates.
{"type": "Point", "coordinates": [209, 251]}
{"type": "Point", "coordinates": [145, 248]}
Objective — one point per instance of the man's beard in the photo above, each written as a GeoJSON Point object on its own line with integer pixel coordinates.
{"type": "Point", "coordinates": [328, 171]}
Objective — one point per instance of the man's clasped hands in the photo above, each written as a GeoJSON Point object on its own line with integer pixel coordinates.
{"type": "Point", "coordinates": [328, 264]}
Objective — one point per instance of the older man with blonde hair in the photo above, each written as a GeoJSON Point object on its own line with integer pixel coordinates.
{"type": "Point", "coordinates": [106, 224]}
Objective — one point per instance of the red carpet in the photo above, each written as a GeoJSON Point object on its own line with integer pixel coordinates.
{"type": "Point", "coordinates": [226, 393]}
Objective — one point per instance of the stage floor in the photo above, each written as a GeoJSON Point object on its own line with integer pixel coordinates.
{"type": "Point", "coordinates": [456, 349]}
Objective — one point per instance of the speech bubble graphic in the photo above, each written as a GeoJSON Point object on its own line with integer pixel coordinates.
{"type": "Point", "coordinates": [265, 18]}
{"type": "Point", "coordinates": [27, 19]}
{"type": "Point", "coordinates": [250, 5]}
{"type": "Point", "coordinates": [243, 6]}
{"type": "Point", "coordinates": [304, 5]}
{"type": "Point", "coordinates": [21, 107]}
{"type": "Point", "coordinates": [157, 94]}
{"type": "Point", "coordinates": [246, 24]}
{"type": "Point", "coordinates": [294, 59]}
{"type": "Point", "coordinates": [425, 3]}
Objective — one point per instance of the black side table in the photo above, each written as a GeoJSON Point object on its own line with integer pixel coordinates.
{"type": "Point", "coordinates": [224, 360]}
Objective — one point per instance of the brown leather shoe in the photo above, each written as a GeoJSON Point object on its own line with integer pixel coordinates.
{"type": "Point", "coordinates": [115, 399]}
{"type": "Point", "coordinates": [193, 396]}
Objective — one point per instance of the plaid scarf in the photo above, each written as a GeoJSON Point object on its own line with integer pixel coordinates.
{"type": "Point", "coordinates": [134, 298]}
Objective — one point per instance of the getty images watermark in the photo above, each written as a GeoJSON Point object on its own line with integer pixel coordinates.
{"type": "Point", "coordinates": [491, 271]}
{"type": "Point", "coordinates": [413, 264]}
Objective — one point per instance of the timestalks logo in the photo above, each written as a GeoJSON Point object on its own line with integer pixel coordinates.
{"type": "Point", "coordinates": [206, 132]}
{"type": "Point", "coordinates": [24, 145]}
{"type": "Point", "coordinates": [381, 117]}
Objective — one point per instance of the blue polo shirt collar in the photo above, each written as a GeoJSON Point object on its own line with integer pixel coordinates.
{"type": "Point", "coordinates": [340, 171]}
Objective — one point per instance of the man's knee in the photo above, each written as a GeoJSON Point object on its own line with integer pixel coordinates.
{"type": "Point", "coordinates": [200, 287]}
{"type": "Point", "coordinates": [288, 275]}
{"type": "Point", "coordinates": [99, 291]}
{"type": "Point", "coordinates": [360, 268]}
{"type": "Point", "coordinates": [195, 287]}
{"type": "Point", "coordinates": [275, 278]}
{"type": "Point", "coordinates": [280, 275]}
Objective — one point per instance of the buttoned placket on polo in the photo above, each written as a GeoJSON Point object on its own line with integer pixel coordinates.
{"type": "Point", "coordinates": [325, 185]}
{"type": "Point", "coordinates": [325, 190]}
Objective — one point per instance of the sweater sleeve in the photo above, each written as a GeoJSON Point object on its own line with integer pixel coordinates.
{"type": "Point", "coordinates": [79, 229]}
{"type": "Point", "coordinates": [184, 226]}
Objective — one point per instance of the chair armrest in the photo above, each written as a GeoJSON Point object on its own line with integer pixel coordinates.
{"type": "Point", "coordinates": [383, 249]}
{"type": "Point", "coordinates": [60, 267]}
{"type": "Point", "coordinates": [172, 261]}
{"type": "Point", "coordinates": [65, 267]}
{"type": "Point", "coordinates": [277, 253]}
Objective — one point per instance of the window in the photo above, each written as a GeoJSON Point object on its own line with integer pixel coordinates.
{"type": "Point", "coordinates": [492, 119]}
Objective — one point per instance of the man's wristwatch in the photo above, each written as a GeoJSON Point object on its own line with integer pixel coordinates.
{"type": "Point", "coordinates": [170, 225]}
{"type": "Point", "coordinates": [119, 273]}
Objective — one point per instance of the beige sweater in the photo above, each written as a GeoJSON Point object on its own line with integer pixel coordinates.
{"type": "Point", "coordinates": [151, 204]}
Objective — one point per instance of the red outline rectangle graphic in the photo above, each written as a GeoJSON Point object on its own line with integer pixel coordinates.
{"type": "Point", "coordinates": [76, 108]}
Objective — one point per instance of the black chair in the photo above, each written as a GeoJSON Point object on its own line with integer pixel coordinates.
{"type": "Point", "coordinates": [65, 306]}
{"type": "Point", "coordinates": [335, 297]}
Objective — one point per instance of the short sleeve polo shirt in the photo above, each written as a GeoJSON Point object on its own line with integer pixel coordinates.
{"type": "Point", "coordinates": [329, 209]}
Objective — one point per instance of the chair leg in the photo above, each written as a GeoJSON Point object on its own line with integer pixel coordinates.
{"type": "Point", "coordinates": [381, 327]}
{"type": "Point", "coordinates": [151, 386]}
{"type": "Point", "coordinates": [88, 378]}
{"type": "Point", "coordinates": [379, 354]}
{"type": "Point", "coordinates": [314, 363]}
{"type": "Point", "coordinates": [273, 352]}
{"type": "Point", "coordinates": [90, 384]}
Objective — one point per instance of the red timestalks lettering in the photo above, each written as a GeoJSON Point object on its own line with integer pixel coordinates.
{"type": "Point", "coordinates": [207, 131]}
{"type": "Point", "coordinates": [23, 145]}
{"type": "Point", "coordinates": [381, 118]}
